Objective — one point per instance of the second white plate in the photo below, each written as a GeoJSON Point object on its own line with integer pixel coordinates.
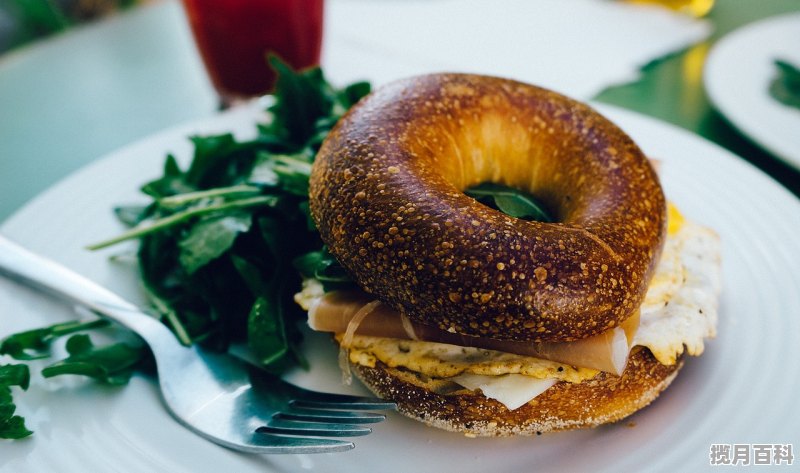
{"type": "Point", "coordinates": [737, 75]}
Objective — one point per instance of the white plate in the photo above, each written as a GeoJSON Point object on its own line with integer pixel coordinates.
{"type": "Point", "coordinates": [742, 390]}
{"type": "Point", "coordinates": [737, 75]}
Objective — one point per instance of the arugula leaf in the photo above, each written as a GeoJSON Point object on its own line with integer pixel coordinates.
{"type": "Point", "coordinates": [510, 201]}
{"type": "Point", "coordinates": [130, 215]}
{"type": "Point", "coordinates": [210, 238]}
{"type": "Point", "coordinates": [12, 426]}
{"type": "Point", "coordinates": [35, 344]}
{"type": "Point", "coordinates": [211, 154]}
{"type": "Point", "coordinates": [306, 106]}
{"type": "Point", "coordinates": [314, 263]}
{"type": "Point", "coordinates": [15, 375]}
{"type": "Point", "coordinates": [170, 183]}
{"type": "Point", "coordinates": [353, 93]}
{"type": "Point", "coordinates": [290, 172]}
{"type": "Point", "coordinates": [305, 209]}
{"type": "Point", "coordinates": [301, 99]}
{"type": "Point", "coordinates": [110, 364]}
{"type": "Point", "coordinates": [270, 333]}
{"type": "Point", "coordinates": [266, 331]}
{"type": "Point", "coordinates": [785, 87]}
{"type": "Point", "coordinates": [322, 266]}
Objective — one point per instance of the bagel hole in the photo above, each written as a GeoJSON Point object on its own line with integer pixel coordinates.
{"type": "Point", "coordinates": [511, 201]}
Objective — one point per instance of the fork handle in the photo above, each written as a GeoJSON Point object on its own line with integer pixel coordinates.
{"type": "Point", "coordinates": [38, 272]}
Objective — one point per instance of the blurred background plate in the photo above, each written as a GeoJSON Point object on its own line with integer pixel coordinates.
{"type": "Point", "coordinates": [737, 75]}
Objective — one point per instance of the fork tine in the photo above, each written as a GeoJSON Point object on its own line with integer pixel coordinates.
{"type": "Point", "coordinates": [267, 443]}
{"type": "Point", "coordinates": [290, 427]}
{"type": "Point", "coordinates": [316, 415]}
{"type": "Point", "coordinates": [377, 405]}
{"type": "Point", "coordinates": [341, 401]}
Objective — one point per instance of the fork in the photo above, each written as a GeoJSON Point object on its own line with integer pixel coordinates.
{"type": "Point", "coordinates": [218, 396]}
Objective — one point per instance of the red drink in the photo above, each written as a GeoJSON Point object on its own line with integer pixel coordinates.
{"type": "Point", "coordinates": [235, 36]}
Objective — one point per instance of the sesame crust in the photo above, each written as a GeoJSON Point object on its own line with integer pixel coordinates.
{"type": "Point", "coordinates": [603, 399]}
{"type": "Point", "coordinates": [386, 195]}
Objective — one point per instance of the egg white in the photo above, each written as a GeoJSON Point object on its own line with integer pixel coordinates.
{"type": "Point", "coordinates": [680, 308]}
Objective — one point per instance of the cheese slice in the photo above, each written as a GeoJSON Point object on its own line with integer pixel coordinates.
{"type": "Point", "coordinates": [512, 390]}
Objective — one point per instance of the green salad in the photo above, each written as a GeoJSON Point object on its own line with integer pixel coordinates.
{"type": "Point", "coordinates": [224, 245]}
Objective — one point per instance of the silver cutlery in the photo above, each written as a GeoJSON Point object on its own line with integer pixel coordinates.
{"type": "Point", "coordinates": [218, 396]}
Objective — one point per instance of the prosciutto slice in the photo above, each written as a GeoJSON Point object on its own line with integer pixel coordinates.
{"type": "Point", "coordinates": [357, 313]}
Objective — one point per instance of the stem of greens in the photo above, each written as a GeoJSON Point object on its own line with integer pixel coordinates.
{"type": "Point", "coordinates": [188, 197]}
{"type": "Point", "coordinates": [180, 217]}
{"type": "Point", "coordinates": [172, 318]}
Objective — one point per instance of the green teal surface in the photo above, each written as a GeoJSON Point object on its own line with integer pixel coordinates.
{"type": "Point", "coordinates": [137, 81]}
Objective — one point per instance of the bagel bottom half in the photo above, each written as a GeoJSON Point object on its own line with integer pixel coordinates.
{"type": "Point", "coordinates": [602, 399]}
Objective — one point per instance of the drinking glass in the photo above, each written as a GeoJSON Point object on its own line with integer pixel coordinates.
{"type": "Point", "coordinates": [234, 38]}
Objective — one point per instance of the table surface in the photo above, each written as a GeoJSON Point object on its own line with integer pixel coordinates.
{"type": "Point", "coordinates": [71, 99]}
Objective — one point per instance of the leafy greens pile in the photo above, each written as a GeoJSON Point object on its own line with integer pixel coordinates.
{"type": "Point", "coordinates": [225, 244]}
{"type": "Point", "coordinates": [219, 242]}
{"type": "Point", "coordinates": [223, 247]}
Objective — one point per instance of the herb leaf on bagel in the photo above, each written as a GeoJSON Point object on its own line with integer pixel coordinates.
{"type": "Point", "coordinates": [510, 201]}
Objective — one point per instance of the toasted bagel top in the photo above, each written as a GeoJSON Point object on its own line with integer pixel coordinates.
{"type": "Point", "coordinates": [386, 195]}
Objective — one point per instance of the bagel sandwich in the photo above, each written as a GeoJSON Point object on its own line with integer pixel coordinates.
{"type": "Point", "coordinates": [477, 322]}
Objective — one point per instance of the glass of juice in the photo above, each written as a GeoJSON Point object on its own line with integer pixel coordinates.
{"type": "Point", "coordinates": [234, 38]}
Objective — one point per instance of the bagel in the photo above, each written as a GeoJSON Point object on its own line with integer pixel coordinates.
{"type": "Point", "coordinates": [478, 322]}
{"type": "Point", "coordinates": [386, 193]}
